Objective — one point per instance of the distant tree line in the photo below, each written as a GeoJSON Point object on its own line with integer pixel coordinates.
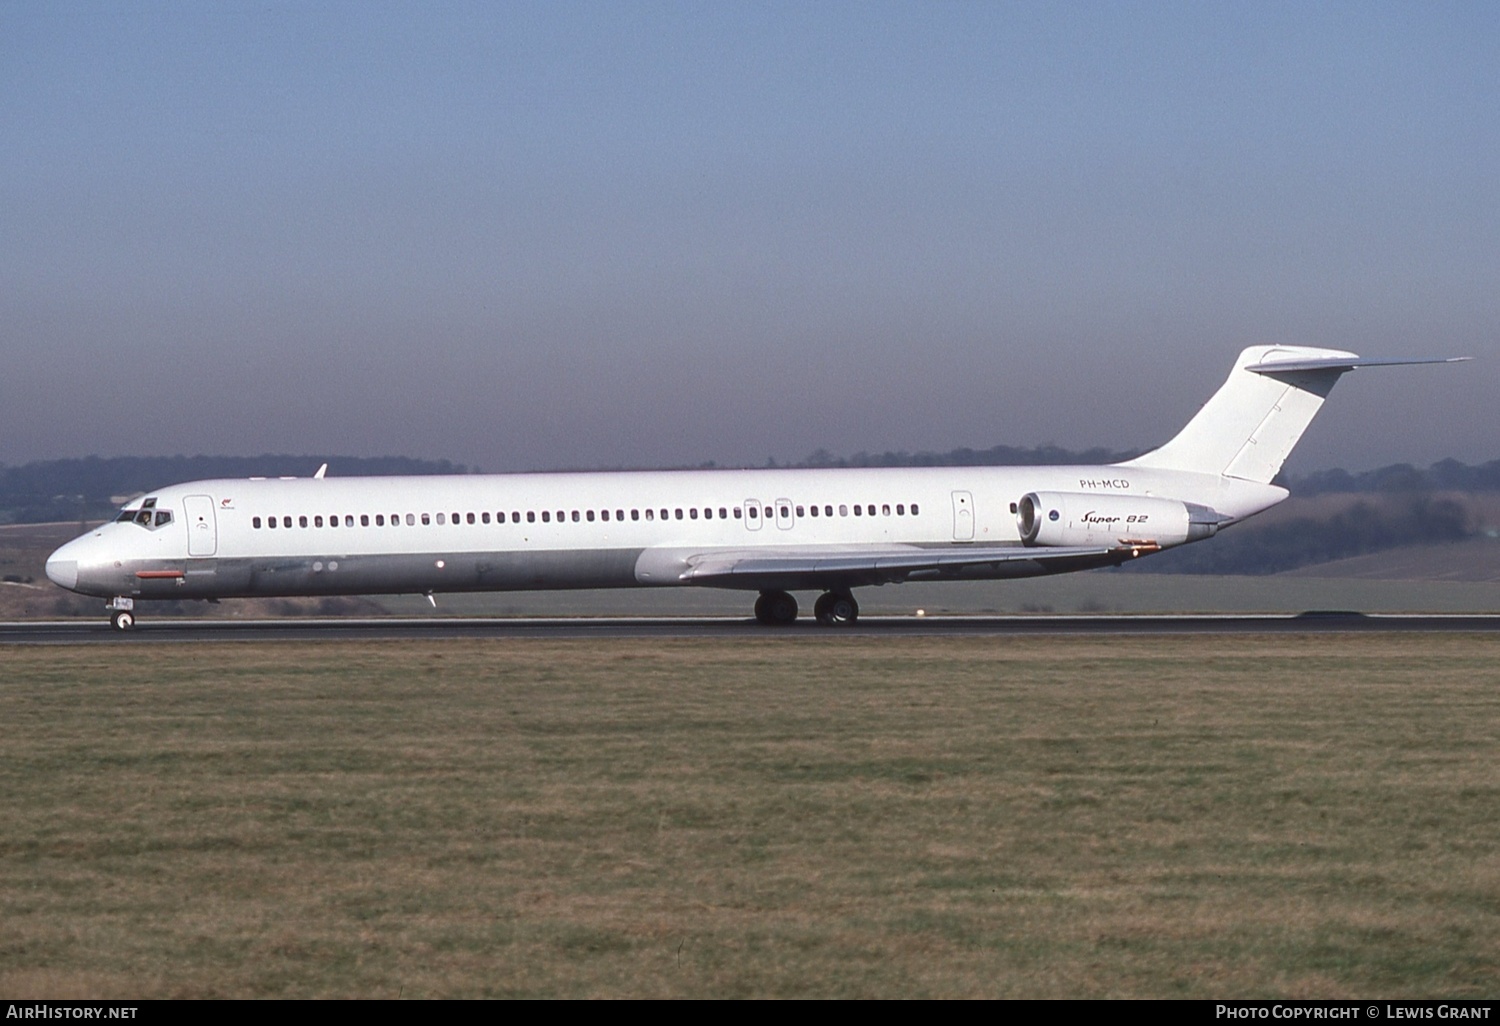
{"type": "Point", "coordinates": [996, 456]}
{"type": "Point", "coordinates": [1444, 476]}
{"type": "Point", "coordinates": [85, 489]}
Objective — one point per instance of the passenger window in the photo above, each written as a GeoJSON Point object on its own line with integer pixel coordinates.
{"type": "Point", "coordinates": [590, 516]}
{"type": "Point", "coordinates": [828, 511]}
{"type": "Point", "coordinates": [411, 519]}
{"type": "Point", "coordinates": [692, 514]}
{"type": "Point", "coordinates": [318, 522]}
{"type": "Point", "coordinates": [515, 516]}
{"type": "Point", "coordinates": [427, 519]}
{"type": "Point", "coordinates": [333, 521]}
{"type": "Point", "coordinates": [723, 513]}
{"type": "Point", "coordinates": [666, 516]}
{"type": "Point", "coordinates": [255, 523]}
{"type": "Point", "coordinates": [575, 516]}
{"type": "Point", "coordinates": [546, 516]}
{"type": "Point", "coordinates": [843, 510]}
{"type": "Point", "coordinates": [604, 514]}
{"type": "Point", "coordinates": [858, 509]}
{"type": "Point", "coordinates": [348, 519]}
{"type": "Point", "coordinates": [752, 513]}
{"type": "Point", "coordinates": [379, 519]}
{"type": "Point", "coordinates": [885, 511]}
{"type": "Point", "coordinates": [914, 509]}
{"type": "Point", "coordinates": [364, 520]}
{"type": "Point", "coordinates": [650, 514]}
{"type": "Point", "coordinates": [635, 514]}
{"type": "Point", "coordinates": [619, 515]}
{"type": "Point", "coordinates": [736, 512]}
{"type": "Point", "coordinates": [900, 509]}
{"type": "Point", "coordinates": [301, 521]}
{"type": "Point", "coordinates": [813, 510]}
{"type": "Point", "coordinates": [799, 511]}
{"type": "Point", "coordinates": [484, 517]}
{"type": "Point", "coordinates": [469, 518]}
{"type": "Point", "coordinates": [440, 518]}
{"type": "Point", "coordinates": [530, 517]}
{"type": "Point", "coordinates": [271, 522]}
{"type": "Point", "coordinates": [679, 514]}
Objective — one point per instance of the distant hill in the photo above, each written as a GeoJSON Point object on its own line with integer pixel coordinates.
{"type": "Point", "coordinates": [1313, 530]}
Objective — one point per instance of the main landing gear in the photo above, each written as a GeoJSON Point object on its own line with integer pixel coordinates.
{"type": "Point", "coordinates": [833, 609]}
{"type": "Point", "coordinates": [775, 608]}
{"type": "Point", "coordinates": [836, 609]}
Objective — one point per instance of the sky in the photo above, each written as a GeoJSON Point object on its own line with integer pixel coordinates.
{"type": "Point", "coordinates": [558, 235]}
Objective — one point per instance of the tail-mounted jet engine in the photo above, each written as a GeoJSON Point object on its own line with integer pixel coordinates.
{"type": "Point", "coordinates": [1066, 518]}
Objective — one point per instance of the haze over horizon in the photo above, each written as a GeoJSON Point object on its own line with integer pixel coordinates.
{"type": "Point", "coordinates": [534, 235]}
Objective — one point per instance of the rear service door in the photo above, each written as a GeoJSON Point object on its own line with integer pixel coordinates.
{"type": "Point", "coordinates": [963, 516]}
{"type": "Point", "coordinates": [203, 530]}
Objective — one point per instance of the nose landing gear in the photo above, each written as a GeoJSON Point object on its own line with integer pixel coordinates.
{"type": "Point", "coordinates": [121, 613]}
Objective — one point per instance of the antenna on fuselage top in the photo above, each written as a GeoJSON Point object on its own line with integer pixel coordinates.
{"type": "Point", "coordinates": [321, 471]}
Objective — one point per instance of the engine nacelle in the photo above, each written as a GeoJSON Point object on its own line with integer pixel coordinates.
{"type": "Point", "coordinates": [1068, 518]}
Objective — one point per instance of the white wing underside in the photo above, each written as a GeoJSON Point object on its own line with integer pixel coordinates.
{"type": "Point", "coordinates": [894, 562]}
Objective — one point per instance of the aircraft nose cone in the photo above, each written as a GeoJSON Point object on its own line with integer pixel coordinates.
{"type": "Point", "coordinates": [64, 572]}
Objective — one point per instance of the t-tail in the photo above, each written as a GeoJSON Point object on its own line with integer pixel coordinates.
{"type": "Point", "coordinates": [1250, 426]}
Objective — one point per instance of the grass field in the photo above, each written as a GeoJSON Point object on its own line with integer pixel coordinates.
{"type": "Point", "coordinates": [1231, 816]}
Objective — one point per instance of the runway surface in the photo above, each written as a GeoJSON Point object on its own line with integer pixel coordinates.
{"type": "Point", "coordinates": [73, 632]}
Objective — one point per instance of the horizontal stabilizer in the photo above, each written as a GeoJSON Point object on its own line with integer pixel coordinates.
{"type": "Point", "coordinates": [1339, 363]}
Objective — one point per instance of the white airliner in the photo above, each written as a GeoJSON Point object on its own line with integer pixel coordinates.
{"type": "Point", "coordinates": [767, 531]}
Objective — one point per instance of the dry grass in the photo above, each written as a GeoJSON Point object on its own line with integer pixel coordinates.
{"type": "Point", "coordinates": [1298, 816]}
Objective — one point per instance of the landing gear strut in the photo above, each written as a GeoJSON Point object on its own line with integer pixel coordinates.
{"type": "Point", "coordinates": [836, 609]}
{"type": "Point", "coordinates": [775, 608]}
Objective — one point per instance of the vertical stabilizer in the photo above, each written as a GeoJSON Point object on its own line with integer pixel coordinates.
{"type": "Point", "coordinates": [1253, 421]}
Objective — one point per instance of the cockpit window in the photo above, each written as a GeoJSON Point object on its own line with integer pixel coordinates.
{"type": "Point", "coordinates": [148, 516]}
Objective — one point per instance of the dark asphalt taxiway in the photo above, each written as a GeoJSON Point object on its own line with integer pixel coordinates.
{"type": "Point", "coordinates": [73, 632]}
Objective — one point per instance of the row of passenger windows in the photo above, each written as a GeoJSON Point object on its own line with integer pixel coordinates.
{"type": "Point", "coordinates": [547, 516]}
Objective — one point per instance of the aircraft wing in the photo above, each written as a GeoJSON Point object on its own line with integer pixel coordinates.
{"type": "Point", "coordinates": [884, 564]}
